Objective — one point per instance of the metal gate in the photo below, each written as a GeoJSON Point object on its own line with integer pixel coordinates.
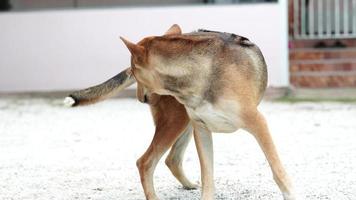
{"type": "Point", "coordinates": [324, 19]}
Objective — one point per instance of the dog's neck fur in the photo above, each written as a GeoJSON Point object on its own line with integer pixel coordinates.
{"type": "Point", "coordinates": [185, 78]}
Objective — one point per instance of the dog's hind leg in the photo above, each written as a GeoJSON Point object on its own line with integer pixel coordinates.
{"type": "Point", "coordinates": [174, 160]}
{"type": "Point", "coordinates": [257, 126]}
{"type": "Point", "coordinates": [204, 144]}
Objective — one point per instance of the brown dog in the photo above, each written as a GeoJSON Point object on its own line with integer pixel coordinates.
{"type": "Point", "coordinates": [211, 80]}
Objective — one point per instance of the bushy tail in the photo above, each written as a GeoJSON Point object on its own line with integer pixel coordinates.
{"type": "Point", "coordinates": [102, 91]}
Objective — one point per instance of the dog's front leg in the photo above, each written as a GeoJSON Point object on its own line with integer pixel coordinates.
{"type": "Point", "coordinates": [166, 134]}
{"type": "Point", "coordinates": [204, 145]}
{"type": "Point", "coordinates": [257, 126]}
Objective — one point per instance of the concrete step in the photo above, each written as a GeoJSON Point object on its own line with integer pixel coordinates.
{"type": "Point", "coordinates": [319, 55]}
{"type": "Point", "coordinates": [323, 65]}
{"type": "Point", "coordinates": [320, 80]}
{"type": "Point", "coordinates": [341, 94]}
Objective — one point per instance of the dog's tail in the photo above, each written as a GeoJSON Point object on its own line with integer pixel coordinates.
{"type": "Point", "coordinates": [102, 91]}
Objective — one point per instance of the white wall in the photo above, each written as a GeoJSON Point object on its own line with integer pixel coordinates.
{"type": "Point", "coordinates": [69, 49]}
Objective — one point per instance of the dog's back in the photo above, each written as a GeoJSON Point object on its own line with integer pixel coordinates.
{"type": "Point", "coordinates": [206, 65]}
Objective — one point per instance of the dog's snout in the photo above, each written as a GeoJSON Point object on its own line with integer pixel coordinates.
{"type": "Point", "coordinates": [145, 99]}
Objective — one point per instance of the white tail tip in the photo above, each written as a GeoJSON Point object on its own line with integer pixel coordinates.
{"type": "Point", "coordinates": [68, 101]}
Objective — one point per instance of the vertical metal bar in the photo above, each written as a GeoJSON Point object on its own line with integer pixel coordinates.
{"type": "Point", "coordinates": [311, 18]}
{"type": "Point", "coordinates": [303, 19]}
{"type": "Point", "coordinates": [354, 17]}
{"type": "Point", "coordinates": [328, 18]}
{"type": "Point", "coordinates": [296, 18]}
{"type": "Point", "coordinates": [337, 18]}
{"type": "Point", "coordinates": [320, 18]}
{"type": "Point", "coordinates": [346, 17]}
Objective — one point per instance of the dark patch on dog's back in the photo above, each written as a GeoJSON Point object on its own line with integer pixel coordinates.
{"type": "Point", "coordinates": [230, 37]}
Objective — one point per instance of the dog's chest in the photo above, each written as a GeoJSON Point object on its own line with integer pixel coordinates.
{"type": "Point", "coordinates": [224, 118]}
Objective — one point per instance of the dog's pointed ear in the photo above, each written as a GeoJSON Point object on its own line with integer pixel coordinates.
{"type": "Point", "coordinates": [136, 50]}
{"type": "Point", "coordinates": [174, 30]}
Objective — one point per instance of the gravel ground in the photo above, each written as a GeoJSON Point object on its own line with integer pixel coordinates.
{"type": "Point", "coordinates": [51, 152]}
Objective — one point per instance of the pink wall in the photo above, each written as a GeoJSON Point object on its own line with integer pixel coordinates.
{"type": "Point", "coordinates": [69, 49]}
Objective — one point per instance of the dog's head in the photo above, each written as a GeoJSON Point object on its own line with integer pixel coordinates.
{"type": "Point", "coordinates": [146, 96]}
{"type": "Point", "coordinates": [144, 60]}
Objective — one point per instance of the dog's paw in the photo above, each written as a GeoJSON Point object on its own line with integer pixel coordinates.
{"type": "Point", "coordinates": [68, 101]}
{"type": "Point", "coordinates": [289, 196]}
{"type": "Point", "coordinates": [191, 186]}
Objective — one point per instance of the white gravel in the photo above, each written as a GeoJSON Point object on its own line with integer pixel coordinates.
{"type": "Point", "coordinates": [52, 152]}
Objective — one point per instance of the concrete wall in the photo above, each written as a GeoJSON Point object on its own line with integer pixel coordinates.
{"type": "Point", "coordinates": [69, 49]}
{"type": "Point", "coordinates": [60, 4]}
